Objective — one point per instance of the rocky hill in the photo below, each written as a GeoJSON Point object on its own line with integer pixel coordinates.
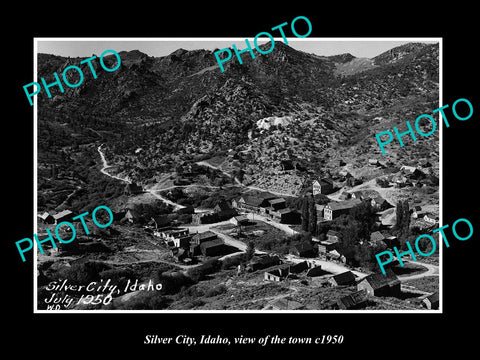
{"type": "Point", "coordinates": [181, 107]}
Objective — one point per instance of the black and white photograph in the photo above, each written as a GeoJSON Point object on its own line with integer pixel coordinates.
{"type": "Point", "coordinates": [261, 187]}
{"type": "Point", "coordinates": [226, 179]}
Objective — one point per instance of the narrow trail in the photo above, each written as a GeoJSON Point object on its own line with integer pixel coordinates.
{"type": "Point", "coordinates": [126, 180]}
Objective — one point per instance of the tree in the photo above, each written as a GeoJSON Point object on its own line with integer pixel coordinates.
{"type": "Point", "coordinates": [399, 213]}
{"type": "Point", "coordinates": [305, 214]}
{"type": "Point", "coordinates": [402, 225]}
{"type": "Point", "coordinates": [312, 220]}
{"type": "Point", "coordinates": [250, 250]}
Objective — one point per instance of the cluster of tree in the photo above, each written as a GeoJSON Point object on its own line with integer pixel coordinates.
{"type": "Point", "coordinates": [283, 245]}
{"type": "Point", "coordinates": [354, 229]}
{"type": "Point", "coordinates": [146, 211]}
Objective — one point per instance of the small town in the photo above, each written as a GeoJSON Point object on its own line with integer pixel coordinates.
{"type": "Point", "coordinates": [258, 239]}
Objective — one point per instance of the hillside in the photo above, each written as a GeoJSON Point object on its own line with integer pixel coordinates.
{"type": "Point", "coordinates": [182, 108]}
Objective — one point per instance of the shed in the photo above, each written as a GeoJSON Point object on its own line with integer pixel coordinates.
{"type": "Point", "coordinates": [222, 206]}
{"type": "Point", "coordinates": [258, 263]}
{"type": "Point", "coordinates": [315, 271]}
{"type": "Point", "coordinates": [46, 218]}
{"type": "Point", "coordinates": [380, 285]}
{"type": "Point", "coordinates": [276, 274]}
{"type": "Point", "coordinates": [333, 236]}
{"type": "Point", "coordinates": [202, 237]}
{"type": "Point", "coordinates": [277, 203]}
{"type": "Point", "coordinates": [354, 300]}
{"type": "Point", "coordinates": [298, 268]}
{"type": "Point", "coordinates": [431, 302]}
{"type": "Point", "coordinates": [239, 220]}
{"type": "Point", "coordinates": [213, 247]}
{"type": "Point", "coordinates": [65, 215]}
{"type": "Point", "coordinates": [304, 249]}
{"type": "Point", "coordinates": [345, 278]}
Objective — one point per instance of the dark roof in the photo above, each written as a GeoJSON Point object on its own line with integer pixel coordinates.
{"type": "Point", "coordinates": [241, 218]}
{"type": "Point", "coordinates": [433, 298]}
{"type": "Point", "coordinates": [252, 200]}
{"type": "Point", "coordinates": [285, 211]}
{"type": "Point", "coordinates": [344, 278]}
{"type": "Point", "coordinates": [379, 200]}
{"type": "Point", "coordinates": [205, 235]}
{"type": "Point", "coordinates": [161, 220]}
{"type": "Point", "coordinates": [223, 205]}
{"type": "Point", "coordinates": [276, 201]}
{"type": "Point", "coordinates": [379, 280]}
{"type": "Point", "coordinates": [353, 299]}
{"type": "Point", "coordinates": [343, 205]}
{"type": "Point", "coordinates": [211, 243]}
{"type": "Point", "coordinates": [266, 196]}
{"type": "Point", "coordinates": [299, 267]}
{"type": "Point", "coordinates": [265, 260]}
{"type": "Point", "coordinates": [304, 246]}
{"type": "Point", "coordinates": [376, 236]}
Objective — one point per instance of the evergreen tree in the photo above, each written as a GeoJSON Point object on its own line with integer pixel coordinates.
{"type": "Point", "coordinates": [312, 219]}
{"type": "Point", "coordinates": [399, 212]}
{"type": "Point", "coordinates": [250, 250]}
{"type": "Point", "coordinates": [305, 214]}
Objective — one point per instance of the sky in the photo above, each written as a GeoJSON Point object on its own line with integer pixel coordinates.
{"type": "Point", "coordinates": [85, 47]}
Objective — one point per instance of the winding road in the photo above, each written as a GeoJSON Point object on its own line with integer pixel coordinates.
{"type": "Point", "coordinates": [126, 180]}
{"type": "Point", "coordinates": [333, 267]}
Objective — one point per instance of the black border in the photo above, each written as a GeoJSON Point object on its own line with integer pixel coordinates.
{"type": "Point", "coordinates": [101, 334]}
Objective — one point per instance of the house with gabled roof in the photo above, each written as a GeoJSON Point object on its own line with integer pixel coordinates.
{"type": "Point", "coordinates": [239, 220]}
{"type": "Point", "coordinates": [262, 262]}
{"type": "Point", "coordinates": [379, 284]}
{"type": "Point", "coordinates": [380, 203]}
{"type": "Point", "coordinates": [355, 300]}
{"type": "Point", "coordinates": [278, 274]}
{"type": "Point", "coordinates": [322, 186]}
{"type": "Point", "coordinates": [432, 302]}
{"type": "Point", "coordinates": [46, 218]}
{"type": "Point", "coordinates": [199, 238]}
{"type": "Point", "coordinates": [213, 247]}
{"type": "Point", "coordinates": [345, 278]}
{"type": "Point", "coordinates": [304, 249]}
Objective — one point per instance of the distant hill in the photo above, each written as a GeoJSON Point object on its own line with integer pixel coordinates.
{"type": "Point", "coordinates": [181, 105]}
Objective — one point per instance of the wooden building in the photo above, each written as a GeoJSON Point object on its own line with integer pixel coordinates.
{"type": "Point", "coordinates": [335, 209]}
{"type": "Point", "coordinates": [432, 302]}
{"type": "Point", "coordinates": [322, 186]}
{"type": "Point", "coordinates": [214, 247]}
{"type": "Point", "coordinates": [304, 249]}
{"type": "Point", "coordinates": [345, 278]}
{"type": "Point", "coordinates": [356, 300]}
{"type": "Point", "coordinates": [379, 284]}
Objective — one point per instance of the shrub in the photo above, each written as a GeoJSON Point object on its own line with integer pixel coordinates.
{"type": "Point", "coordinates": [217, 290]}
{"type": "Point", "coordinates": [84, 273]}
